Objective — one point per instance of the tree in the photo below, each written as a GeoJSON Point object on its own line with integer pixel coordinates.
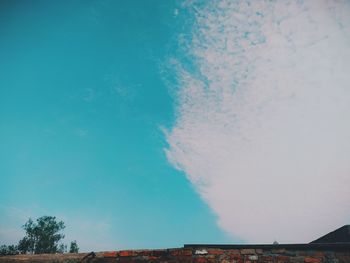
{"type": "Point", "coordinates": [62, 249]}
{"type": "Point", "coordinates": [8, 250]}
{"type": "Point", "coordinates": [42, 236]}
{"type": "Point", "coordinates": [73, 247]}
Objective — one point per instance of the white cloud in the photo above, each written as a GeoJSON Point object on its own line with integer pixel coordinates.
{"type": "Point", "coordinates": [263, 130]}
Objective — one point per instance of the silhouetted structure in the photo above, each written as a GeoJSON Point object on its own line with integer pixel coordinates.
{"type": "Point", "coordinates": [340, 235]}
{"type": "Point", "coordinates": [331, 248]}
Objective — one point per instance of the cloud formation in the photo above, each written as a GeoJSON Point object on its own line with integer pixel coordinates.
{"type": "Point", "coordinates": [263, 127]}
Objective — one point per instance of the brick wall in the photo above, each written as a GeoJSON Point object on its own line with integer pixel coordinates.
{"type": "Point", "coordinates": [244, 255]}
{"type": "Point", "coordinates": [272, 254]}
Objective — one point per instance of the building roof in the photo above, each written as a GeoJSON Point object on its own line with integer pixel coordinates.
{"type": "Point", "coordinates": [340, 235]}
{"type": "Point", "coordinates": [308, 246]}
{"type": "Point", "coordinates": [339, 239]}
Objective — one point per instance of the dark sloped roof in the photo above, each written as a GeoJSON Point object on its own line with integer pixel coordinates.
{"type": "Point", "coordinates": [340, 235]}
{"type": "Point", "coordinates": [310, 246]}
{"type": "Point", "coordinates": [339, 239]}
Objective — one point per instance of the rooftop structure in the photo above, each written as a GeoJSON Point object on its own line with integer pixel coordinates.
{"type": "Point", "coordinates": [333, 247]}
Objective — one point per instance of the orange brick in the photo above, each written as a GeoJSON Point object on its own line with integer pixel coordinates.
{"type": "Point", "coordinates": [200, 260]}
{"type": "Point", "coordinates": [267, 258]}
{"type": "Point", "coordinates": [215, 252]}
{"type": "Point", "coordinates": [235, 256]}
{"type": "Point", "coordinates": [247, 251]}
{"type": "Point", "coordinates": [312, 260]}
{"type": "Point", "coordinates": [127, 253]}
{"type": "Point", "coordinates": [110, 254]}
{"type": "Point", "coordinates": [181, 252]}
{"type": "Point", "coordinates": [283, 258]}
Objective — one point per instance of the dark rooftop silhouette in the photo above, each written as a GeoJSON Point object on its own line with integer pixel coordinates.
{"type": "Point", "coordinates": [340, 235]}
{"type": "Point", "coordinates": [338, 239]}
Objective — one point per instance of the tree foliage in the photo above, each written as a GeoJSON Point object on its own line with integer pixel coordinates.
{"type": "Point", "coordinates": [73, 247]}
{"type": "Point", "coordinates": [8, 250]}
{"type": "Point", "coordinates": [41, 236]}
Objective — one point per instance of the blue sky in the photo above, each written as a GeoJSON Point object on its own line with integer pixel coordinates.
{"type": "Point", "coordinates": [150, 124]}
{"type": "Point", "coordinates": [82, 103]}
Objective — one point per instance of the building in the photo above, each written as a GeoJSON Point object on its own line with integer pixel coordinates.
{"type": "Point", "coordinates": [333, 247]}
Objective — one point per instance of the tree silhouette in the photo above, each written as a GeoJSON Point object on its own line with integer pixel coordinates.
{"type": "Point", "coordinates": [42, 236]}
{"type": "Point", "coordinates": [73, 247]}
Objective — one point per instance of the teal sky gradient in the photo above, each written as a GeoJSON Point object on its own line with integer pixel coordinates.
{"type": "Point", "coordinates": [82, 103]}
